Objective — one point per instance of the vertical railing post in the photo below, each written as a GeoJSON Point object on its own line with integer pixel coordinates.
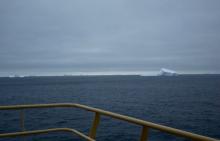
{"type": "Point", "coordinates": [22, 120]}
{"type": "Point", "coordinates": [92, 133]}
{"type": "Point", "coordinates": [144, 133]}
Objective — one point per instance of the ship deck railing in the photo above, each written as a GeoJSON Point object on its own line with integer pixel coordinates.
{"type": "Point", "coordinates": [97, 114]}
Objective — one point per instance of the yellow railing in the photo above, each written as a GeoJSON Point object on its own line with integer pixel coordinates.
{"type": "Point", "coordinates": [98, 112]}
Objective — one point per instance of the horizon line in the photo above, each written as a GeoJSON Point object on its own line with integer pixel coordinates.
{"type": "Point", "coordinates": [75, 75]}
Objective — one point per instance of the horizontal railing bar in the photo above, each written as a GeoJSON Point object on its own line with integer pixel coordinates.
{"type": "Point", "coordinates": [34, 132]}
{"type": "Point", "coordinates": [149, 124]}
{"type": "Point", "coordinates": [36, 106]}
{"type": "Point", "coordinates": [117, 116]}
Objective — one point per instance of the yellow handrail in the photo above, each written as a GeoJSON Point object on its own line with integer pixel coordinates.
{"type": "Point", "coordinates": [27, 133]}
{"type": "Point", "coordinates": [98, 112]}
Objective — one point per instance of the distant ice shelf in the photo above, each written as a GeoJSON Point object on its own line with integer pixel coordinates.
{"type": "Point", "coordinates": [167, 72]}
{"type": "Point", "coordinates": [16, 76]}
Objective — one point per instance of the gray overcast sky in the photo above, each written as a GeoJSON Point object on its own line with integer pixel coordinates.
{"type": "Point", "coordinates": [49, 37]}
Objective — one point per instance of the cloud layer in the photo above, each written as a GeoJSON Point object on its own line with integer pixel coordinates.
{"type": "Point", "coordinates": [45, 37]}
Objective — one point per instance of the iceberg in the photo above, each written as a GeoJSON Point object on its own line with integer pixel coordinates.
{"type": "Point", "coordinates": [167, 72]}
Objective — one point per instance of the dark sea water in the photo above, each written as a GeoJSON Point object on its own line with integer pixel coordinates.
{"type": "Point", "coordinates": [190, 103]}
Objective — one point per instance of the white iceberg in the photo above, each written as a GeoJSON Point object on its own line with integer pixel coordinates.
{"type": "Point", "coordinates": [167, 72]}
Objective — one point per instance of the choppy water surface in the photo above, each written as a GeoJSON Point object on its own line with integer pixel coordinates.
{"type": "Point", "coordinates": [190, 103]}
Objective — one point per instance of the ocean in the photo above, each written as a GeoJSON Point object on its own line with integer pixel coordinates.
{"type": "Point", "coordinates": [187, 102]}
